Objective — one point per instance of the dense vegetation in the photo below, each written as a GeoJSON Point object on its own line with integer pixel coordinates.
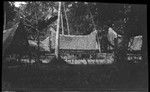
{"type": "Point", "coordinates": [126, 19]}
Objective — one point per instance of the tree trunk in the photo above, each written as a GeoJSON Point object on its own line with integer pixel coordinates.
{"type": "Point", "coordinates": [57, 33]}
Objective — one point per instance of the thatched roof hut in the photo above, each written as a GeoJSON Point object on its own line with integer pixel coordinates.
{"type": "Point", "coordinates": [82, 42]}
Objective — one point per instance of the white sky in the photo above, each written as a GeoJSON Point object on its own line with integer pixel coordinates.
{"type": "Point", "coordinates": [17, 4]}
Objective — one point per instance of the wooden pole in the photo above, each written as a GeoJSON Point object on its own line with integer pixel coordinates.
{"type": "Point", "coordinates": [99, 47]}
{"type": "Point", "coordinates": [66, 19]}
{"type": "Point", "coordinates": [92, 20]}
{"type": "Point", "coordinates": [50, 43]}
{"type": "Point", "coordinates": [57, 33]}
{"type": "Point", "coordinates": [115, 50]}
{"type": "Point", "coordinates": [62, 25]}
{"type": "Point", "coordinates": [4, 20]}
{"type": "Point", "coordinates": [38, 43]}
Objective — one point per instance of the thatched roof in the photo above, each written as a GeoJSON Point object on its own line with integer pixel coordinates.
{"type": "Point", "coordinates": [136, 43]}
{"type": "Point", "coordinates": [44, 45]}
{"type": "Point", "coordinates": [8, 36]}
{"type": "Point", "coordinates": [80, 42]}
{"type": "Point", "coordinates": [87, 42]}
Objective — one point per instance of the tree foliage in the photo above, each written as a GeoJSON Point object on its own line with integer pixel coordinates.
{"type": "Point", "coordinates": [79, 18]}
{"type": "Point", "coordinates": [36, 15]}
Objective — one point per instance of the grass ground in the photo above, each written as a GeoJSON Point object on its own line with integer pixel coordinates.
{"type": "Point", "coordinates": [46, 77]}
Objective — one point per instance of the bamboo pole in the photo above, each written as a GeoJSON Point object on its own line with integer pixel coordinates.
{"type": "Point", "coordinates": [57, 33]}
{"type": "Point", "coordinates": [93, 20]}
{"type": "Point", "coordinates": [4, 17]}
{"type": "Point", "coordinates": [4, 20]}
{"type": "Point", "coordinates": [99, 47]}
{"type": "Point", "coordinates": [62, 25]}
{"type": "Point", "coordinates": [50, 43]}
{"type": "Point", "coordinates": [94, 30]}
{"type": "Point", "coordinates": [115, 50]}
{"type": "Point", "coordinates": [66, 20]}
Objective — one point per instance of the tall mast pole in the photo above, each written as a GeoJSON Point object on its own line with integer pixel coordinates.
{"type": "Point", "coordinates": [57, 33]}
{"type": "Point", "coordinates": [66, 19]}
{"type": "Point", "coordinates": [4, 20]}
{"type": "Point", "coordinates": [94, 30]}
{"type": "Point", "coordinates": [62, 25]}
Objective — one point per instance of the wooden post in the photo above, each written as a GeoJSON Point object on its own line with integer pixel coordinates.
{"type": "Point", "coordinates": [93, 21]}
{"type": "Point", "coordinates": [115, 50]}
{"type": "Point", "coordinates": [62, 25]}
{"type": "Point", "coordinates": [50, 43]}
{"type": "Point", "coordinates": [4, 20]}
{"type": "Point", "coordinates": [99, 45]}
{"type": "Point", "coordinates": [66, 19]}
{"type": "Point", "coordinates": [38, 43]}
{"type": "Point", "coordinates": [57, 33]}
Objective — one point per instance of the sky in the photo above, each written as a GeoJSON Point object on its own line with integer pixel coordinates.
{"type": "Point", "coordinates": [17, 4]}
